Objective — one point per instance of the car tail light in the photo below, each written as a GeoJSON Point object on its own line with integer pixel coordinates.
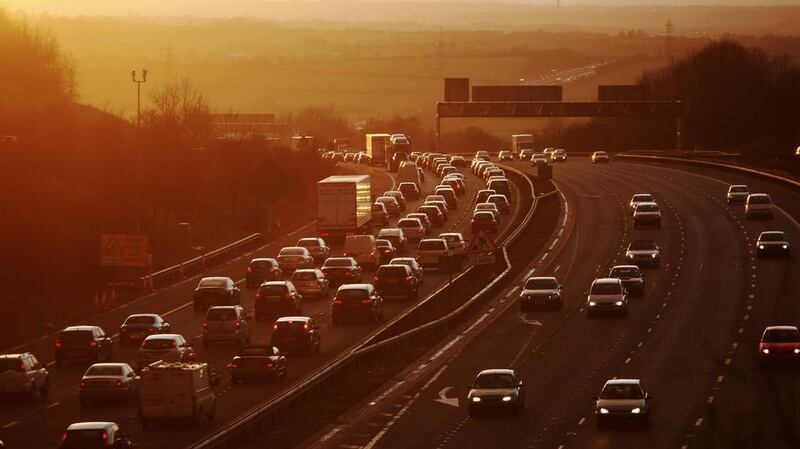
{"type": "Point", "coordinates": [21, 366]}
{"type": "Point", "coordinates": [174, 344]}
{"type": "Point", "coordinates": [288, 296]}
{"type": "Point", "coordinates": [205, 324]}
{"type": "Point", "coordinates": [337, 301]}
{"type": "Point", "coordinates": [319, 284]}
{"type": "Point", "coordinates": [58, 344]}
{"type": "Point", "coordinates": [269, 365]}
{"type": "Point", "coordinates": [275, 327]}
{"type": "Point", "coordinates": [234, 365]}
{"type": "Point", "coordinates": [324, 234]}
{"type": "Point", "coordinates": [93, 344]}
{"type": "Point", "coordinates": [273, 270]}
{"type": "Point", "coordinates": [305, 326]}
{"type": "Point", "coordinates": [249, 269]}
{"type": "Point", "coordinates": [351, 233]}
{"type": "Point", "coordinates": [152, 329]}
{"type": "Point", "coordinates": [119, 384]}
{"type": "Point", "coordinates": [237, 324]}
{"type": "Point", "coordinates": [123, 329]}
{"type": "Point", "coordinates": [64, 437]}
{"type": "Point", "coordinates": [83, 384]}
{"type": "Point", "coordinates": [375, 279]}
{"type": "Point", "coordinates": [366, 301]}
{"type": "Point", "coordinates": [258, 295]}
{"type": "Point", "coordinates": [104, 436]}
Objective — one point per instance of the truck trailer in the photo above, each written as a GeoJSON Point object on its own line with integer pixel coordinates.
{"type": "Point", "coordinates": [378, 148]}
{"type": "Point", "coordinates": [521, 142]}
{"type": "Point", "coordinates": [343, 206]}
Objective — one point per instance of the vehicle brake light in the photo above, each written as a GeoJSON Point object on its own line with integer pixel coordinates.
{"type": "Point", "coordinates": [337, 301]}
{"type": "Point", "coordinates": [21, 366]}
{"type": "Point", "coordinates": [273, 270]}
{"type": "Point", "coordinates": [119, 384]}
{"type": "Point", "coordinates": [258, 295]}
{"type": "Point", "coordinates": [205, 324]}
{"type": "Point", "coordinates": [234, 365]}
{"type": "Point", "coordinates": [58, 343]}
{"type": "Point", "coordinates": [288, 296]}
{"type": "Point", "coordinates": [249, 269]}
{"type": "Point", "coordinates": [83, 384]}
{"type": "Point", "coordinates": [64, 437]}
{"type": "Point", "coordinates": [238, 324]}
{"type": "Point", "coordinates": [269, 364]}
{"type": "Point", "coordinates": [104, 436]}
{"type": "Point", "coordinates": [174, 344]}
{"type": "Point", "coordinates": [275, 326]}
{"type": "Point", "coordinates": [305, 326]}
{"type": "Point", "coordinates": [366, 301]}
{"type": "Point", "coordinates": [124, 329]}
{"type": "Point", "coordinates": [152, 329]}
{"type": "Point", "coordinates": [93, 344]}
{"type": "Point", "coordinates": [319, 284]}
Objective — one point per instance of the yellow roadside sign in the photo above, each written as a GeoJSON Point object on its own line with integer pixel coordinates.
{"type": "Point", "coordinates": [123, 250]}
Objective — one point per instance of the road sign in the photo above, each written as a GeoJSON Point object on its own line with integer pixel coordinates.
{"type": "Point", "coordinates": [123, 250]}
{"type": "Point", "coordinates": [481, 243]}
{"type": "Point", "coordinates": [483, 259]}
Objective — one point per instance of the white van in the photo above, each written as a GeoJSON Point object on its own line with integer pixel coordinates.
{"type": "Point", "coordinates": [174, 390]}
{"type": "Point", "coordinates": [363, 249]}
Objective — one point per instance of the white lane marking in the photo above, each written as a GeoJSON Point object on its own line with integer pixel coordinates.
{"type": "Point", "coordinates": [698, 422]}
{"type": "Point", "coordinates": [583, 420]}
{"type": "Point", "coordinates": [443, 399]}
{"type": "Point", "coordinates": [448, 345]}
{"type": "Point", "coordinates": [54, 404]}
{"type": "Point", "coordinates": [710, 399]}
{"type": "Point", "coordinates": [9, 425]}
{"type": "Point", "coordinates": [720, 379]}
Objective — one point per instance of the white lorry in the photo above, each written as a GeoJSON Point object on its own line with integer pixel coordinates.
{"type": "Point", "coordinates": [343, 206]}
{"type": "Point", "coordinates": [176, 391]}
{"type": "Point", "coordinates": [521, 142]}
{"type": "Point", "coordinates": [377, 147]}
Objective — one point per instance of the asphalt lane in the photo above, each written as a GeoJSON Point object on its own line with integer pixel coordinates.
{"type": "Point", "coordinates": [40, 423]}
{"type": "Point", "coordinates": [691, 339]}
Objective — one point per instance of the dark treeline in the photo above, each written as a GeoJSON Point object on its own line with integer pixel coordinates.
{"type": "Point", "coordinates": [734, 98]}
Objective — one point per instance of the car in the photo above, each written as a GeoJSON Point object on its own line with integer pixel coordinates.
{"type": "Point", "coordinates": [356, 301]}
{"type": "Point", "coordinates": [262, 269]}
{"type": "Point", "coordinates": [737, 194]}
{"type": "Point", "coordinates": [434, 253]}
{"type": "Point", "coordinates": [647, 214]}
{"type": "Point", "coordinates": [226, 324]}
{"type": "Point", "coordinates": [398, 195]}
{"type": "Point", "coordinates": [412, 263]}
{"type": "Point", "coordinates": [349, 157]}
{"type": "Point", "coordinates": [215, 291]}
{"type": "Point", "coordinates": [500, 186]}
{"type": "Point", "coordinates": [622, 401]}
{"type": "Point", "coordinates": [441, 205]}
{"type": "Point", "coordinates": [138, 326]}
{"type": "Point", "coordinates": [293, 258]}
{"type": "Point", "coordinates": [363, 159]}
{"type": "Point", "coordinates": [456, 243]}
{"type": "Point", "coordinates": [631, 276]}
{"type": "Point", "coordinates": [433, 213]}
{"type": "Point", "coordinates": [458, 161]}
{"type": "Point", "coordinates": [391, 203]}
{"type": "Point", "coordinates": [779, 344]}
{"type": "Point", "coordinates": [483, 168]}
{"type": "Point", "coordinates": [606, 295]}
{"type": "Point", "coordinates": [166, 347]}
{"type": "Point", "coordinates": [773, 243]}
{"type": "Point", "coordinates": [318, 248]}
{"type": "Point", "coordinates": [23, 374]}
{"type": "Point", "coordinates": [640, 198]}
{"type": "Point", "coordinates": [409, 190]}
{"type": "Point", "coordinates": [84, 343]}
{"type": "Point", "coordinates": [412, 228]}
{"type": "Point", "coordinates": [102, 382]}
{"type": "Point", "coordinates": [363, 249]}
{"type": "Point", "coordinates": [340, 270]}
{"type": "Point", "coordinates": [457, 184]}
{"type": "Point", "coordinates": [483, 221]}
{"type": "Point", "coordinates": [421, 174]}
{"type": "Point", "coordinates": [494, 172]}
{"type": "Point", "coordinates": [477, 165]}
{"type": "Point", "coordinates": [501, 202]}
{"type": "Point", "coordinates": [258, 363]}
{"type": "Point", "coordinates": [483, 195]}
{"type": "Point", "coordinates": [541, 291]}
{"type": "Point", "coordinates": [311, 282]}
{"type": "Point", "coordinates": [538, 159]}
{"type": "Point", "coordinates": [525, 154]}
{"type": "Point", "coordinates": [385, 249]}
{"type": "Point", "coordinates": [643, 252]}
{"type": "Point", "coordinates": [397, 236]}
{"type": "Point", "coordinates": [600, 157]}
{"type": "Point", "coordinates": [559, 155]}
{"type": "Point", "coordinates": [95, 435]}
{"type": "Point", "coordinates": [505, 156]}
{"type": "Point", "coordinates": [447, 170]}
{"type": "Point", "coordinates": [296, 335]}
{"type": "Point", "coordinates": [337, 157]}
{"type": "Point", "coordinates": [449, 196]}
{"type": "Point", "coordinates": [423, 218]}
{"type": "Point", "coordinates": [379, 214]}
{"type": "Point", "coordinates": [490, 207]}
{"type": "Point", "coordinates": [396, 281]}
{"type": "Point", "coordinates": [496, 389]}
{"type": "Point", "coordinates": [758, 205]}
{"type": "Point", "coordinates": [278, 298]}
{"type": "Point", "coordinates": [482, 155]}
{"type": "Point", "coordinates": [547, 152]}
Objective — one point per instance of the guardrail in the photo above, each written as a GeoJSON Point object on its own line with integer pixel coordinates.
{"type": "Point", "coordinates": [261, 417]}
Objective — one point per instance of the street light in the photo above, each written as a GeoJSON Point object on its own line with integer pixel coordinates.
{"type": "Point", "coordinates": [139, 147]}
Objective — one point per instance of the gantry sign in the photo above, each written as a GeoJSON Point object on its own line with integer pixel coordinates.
{"type": "Point", "coordinates": [546, 102]}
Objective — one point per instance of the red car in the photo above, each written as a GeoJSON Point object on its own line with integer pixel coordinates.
{"type": "Point", "coordinates": [779, 343]}
{"type": "Point", "coordinates": [484, 221]}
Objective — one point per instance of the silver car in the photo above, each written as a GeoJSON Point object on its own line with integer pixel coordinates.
{"type": "Point", "coordinates": [622, 400]}
{"type": "Point", "coordinates": [647, 214]}
{"type": "Point", "coordinates": [317, 247]}
{"type": "Point", "coordinates": [311, 282]}
{"type": "Point", "coordinates": [772, 243]}
{"type": "Point", "coordinates": [541, 291]}
{"type": "Point", "coordinates": [737, 194]}
{"type": "Point", "coordinates": [107, 382]}
{"type": "Point", "coordinates": [643, 252]}
{"type": "Point", "coordinates": [607, 295]}
{"type": "Point", "coordinates": [640, 198]}
{"type": "Point", "coordinates": [293, 258]}
{"type": "Point", "coordinates": [498, 389]}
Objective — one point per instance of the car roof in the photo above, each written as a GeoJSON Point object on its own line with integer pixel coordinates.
{"type": "Point", "coordinates": [306, 270]}
{"type": "Point", "coordinates": [623, 382]}
{"type": "Point", "coordinates": [781, 233]}
{"type": "Point", "coordinates": [758, 194]}
{"type": "Point", "coordinates": [13, 356]}
{"type": "Point", "coordinates": [390, 231]}
{"type": "Point", "coordinates": [110, 364]}
{"type": "Point", "coordinates": [402, 259]}
{"type": "Point", "coordinates": [648, 203]}
{"type": "Point", "coordinates": [268, 283]}
{"type": "Point", "coordinates": [355, 287]}
{"type": "Point", "coordinates": [451, 234]}
{"type": "Point", "coordinates": [497, 195]}
{"type": "Point", "coordinates": [92, 425]}
{"type": "Point", "coordinates": [163, 336]}
{"type": "Point", "coordinates": [738, 185]}
{"type": "Point", "coordinates": [309, 239]}
{"type": "Point", "coordinates": [407, 183]}
{"type": "Point", "coordinates": [624, 267]}
{"type": "Point", "coordinates": [606, 281]}
{"type": "Point", "coordinates": [642, 241]}
{"type": "Point", "coordinates": [287, 319]}
{"type": "Point", "coordinates": [639, 195]}
{"type": "Point", "coordinates": [496, 371]}
{"type": "Point", "coordinates": [545, 278]}
{"type": "Point", "coordinates": [81, 327]}
{"type": "Point", "coordinates": [216, 278]}
{"type": "Point", "coordinates": [224, 307]}
{"type": "Point", "coordinates": [263, 259]}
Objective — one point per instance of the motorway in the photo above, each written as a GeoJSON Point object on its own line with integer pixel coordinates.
{"type": "Point", "coordinates": [40, 423]}
{"type": "Point", "coordinates": [692, 338]}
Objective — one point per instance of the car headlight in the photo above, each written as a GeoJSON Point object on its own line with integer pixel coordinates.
{"type": "Point", "coordinates": [619, 303]}
{"type": "Point", "coordinates": [636, 410]}
{"type": "Point", "coordinates": [797, 350]}
{"type": "Point", "coordinates": [765, 351]}
{"type": "Point", "coordinates": [785, 246]}
{"type": "Point", "coordinates": [476, 399]}
{"type": "Point", "coordinates": [506, 398]}
{"type": "Point", "coordinates": [653, 255]}
{"type": "Point", "coordinates": [760, 246]}
{"type": "Point", "coordinates": [604, 411]}
{"type": "Point", "coordinates": [592, 303]}
{"type": "Point", "coordinates": [629, 256]}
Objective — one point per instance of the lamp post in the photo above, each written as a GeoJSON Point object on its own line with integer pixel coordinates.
{"type": "Point", "coordinates": [139, 82]}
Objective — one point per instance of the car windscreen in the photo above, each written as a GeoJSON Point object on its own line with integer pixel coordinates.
{"type": "Point", "coordinates": [642, 198]}
{"type": "Point", "coordinates": [212, 283]}
{"type": "Point", "coordinates": [291, 327]}
{"type": "Point", "coordinates": [499, 184]}
{"type": "Point", "coordinates": [337, 263]}
{"type": "Point", "coordinates": [304, 276]}
{"type": "Point", "coordinates": [604, 288]}
{"type": "Point", "coordinates": [351, 294]}
{"type": "Point", "coordinates": [272, 290]}
{"type": "Point", "coordinates": [739, 189]}
{"type": "Point", "coordinates": [484, 206]}
{"type": "Point", "coordinates": [408, 223]}
{"type": "Point", "coordinates": [772, 237]}
{"type": "Point", "coordinates": [386, 200]}
{"type": "Point", "coordinates": [226, 314]}
{"type": "Point", "coordinates": [158, 343]}
{"type": "Point", "coordinates": [261, 264]}
{"type": "Point", "coordinates": [141, 319]}
{"type": "Point", "coordinates": [495, 381]}
{"type": "Point", "coordinates": [626, 272]}
{"type": "Point", "coordinates": [104, 371]}
{"type": "Point", "coordinates": [760, 199]}
{"type": "Point", "coordinates": [432, 245]}
{"type": "Point", "coordinates": [483, 217]}
{"type": "Point", "coordinates": [8, 364]}
{"type": "Point", "coordinates": [292, 252]}
{"type": "Point", "coordinates": [76, 337]}
{"type": "Point", "coordinates": [640, 245]}
{"type": "Point", "coordinates": [451, 238]}
{"type": "Point", "coordinates": [781, 336]}
{"type": "Point", "coordinates": [377, 208]}
{"type": "Point", "coordinates": [383, 243]}
{"type": "Point", "coordinates": [621, 391]}
{"type": "Point", "coordinates": [84, 439]}
{"type": "Point", "coordinates": [388, 270]}
{"type": "Point", "coordinates": [647, 208]}
{"type": "Point", "coordinates": [308, 243]}
{"type": "Point", "coordinates": [541, 284]}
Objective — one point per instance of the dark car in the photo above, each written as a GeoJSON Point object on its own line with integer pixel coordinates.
{"type": "Point", "coordinates": [215, 291]}
{"type": "Point", "coordinates": [277, 298]}
{"type": "Point", "coordinates": [409, 189]}
{"type": "Point", "coordinates": [773, 243]}
{"type": "Point", "coordinates": [262, 269]}
{"type": "Point", "coordinates": [434, 214]}
{"type": "Point", "coordinates": [258, 363]}
{"type": "Point", "coordinates": [83, 343]}
{"type": "Point", "coordinates": [296, 335]}
{"type": "Point", "coordinates": [484, 221]}
{"type": "Point", "coordinates": [501, 186]}
{"type": "Point", "coordinates": [340, 270]}
{"type": "Point", "coordinates": [496, 389]}
{"type": "Point", "coordinates": [631, 276]}
{"type": "Point", "coordinates": [386, 250]}
{"type": "Point", "coordinates": [484, 195]}
{"type": "Point", "coordinates": [396, 280]}
{"type": "Point", "coordinates": [412, 263]}
{"type": "Point", "coordinates": [137, 327]}
{"type": "Point", "coordinates": [423, 218]}
{"type": "Point", "coordinates": [354, 301]}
